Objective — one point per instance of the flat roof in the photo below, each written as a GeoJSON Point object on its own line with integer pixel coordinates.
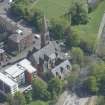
{"type": "Point", "coordinates": [15, 70]}
{"type": "Point", "coordinates": [7, 80]}
{"type": "Point", "coordinates": [27, 65]}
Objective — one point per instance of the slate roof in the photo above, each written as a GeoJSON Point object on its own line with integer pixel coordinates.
{"type": "Point", "coordinates": [63, 66]}
{"type": "Point", "coordinates": [48, 50]}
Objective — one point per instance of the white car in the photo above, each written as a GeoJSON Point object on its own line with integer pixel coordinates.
{"type": "Point", "coordinates": [37, 36]}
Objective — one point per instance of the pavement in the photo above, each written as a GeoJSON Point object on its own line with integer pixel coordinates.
{"type": "Point", "coordinates": [68, 98]}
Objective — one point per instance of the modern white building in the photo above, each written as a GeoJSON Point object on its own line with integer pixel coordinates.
{"type": "Point", "coordinates": [16, 76]}
{"type": "Point", "coordinates": [17, 73]}
{"type": "Point", "coordinates": [22, 72]}
{"type": "Point", "coordinates": [7, 85]}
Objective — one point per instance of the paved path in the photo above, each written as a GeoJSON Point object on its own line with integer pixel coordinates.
{"type": "Point", "coordinates": [68, 98]}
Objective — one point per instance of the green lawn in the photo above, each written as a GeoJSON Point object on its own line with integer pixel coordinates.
{"type": "Point", "coordinates": [54, 8]}
{"type": "Point", "coordinates": [91, 29]}
{"type": "Point", "coordinates": [57, 8]}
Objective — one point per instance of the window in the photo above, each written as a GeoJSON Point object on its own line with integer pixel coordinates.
{"type": "Point", "coordinates": [68, 67]}
{"type": "Point", "coordinates": [61, 69]}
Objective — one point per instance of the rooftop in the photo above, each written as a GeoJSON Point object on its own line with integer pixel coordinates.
{"type": "Point", "coordinates": [7, 80]}
{"type": "Point", "coordinates": [63, 66]}
{"type": "Point", "coordinates": [15, 70]}
{"type": "Point", "coordinates": [27, 65]}
{"type": "Point", "coordinates": [20, 68]}
{"type": "Point", "coordinates": [18, 31]}
{"type": "Point", "coordinates": [49, 50]}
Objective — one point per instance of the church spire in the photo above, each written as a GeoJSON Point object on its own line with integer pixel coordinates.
{"type": "Point", "coordinates": [45, 32]}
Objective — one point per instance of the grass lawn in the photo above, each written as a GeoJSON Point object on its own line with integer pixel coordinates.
{"type": "Point", "coordinates": [57, 8]}
{"type": "Point", "coordinates": [54, 8]}
{"type": "Point", "coordinates": [91, 29]}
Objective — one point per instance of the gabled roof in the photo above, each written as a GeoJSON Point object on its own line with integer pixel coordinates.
{"type": "Point", "coordinates": [48, 50]}
{"type": "Point", "coordinates": [63, 66]}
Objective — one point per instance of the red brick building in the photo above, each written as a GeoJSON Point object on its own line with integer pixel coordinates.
{"type": "Point", "coordinates": [20, 40]}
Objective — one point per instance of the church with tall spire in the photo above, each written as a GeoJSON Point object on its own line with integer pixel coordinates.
{"type": "Point", "coordinates": [44, 33]}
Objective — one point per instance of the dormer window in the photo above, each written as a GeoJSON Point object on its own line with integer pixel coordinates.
{"type": "Point", "coordinates": [59, 77]}
{"type": "Point", "coordinates": [57, 74]}
{"type": "Point", "coordinates": [61, 69]}
{"type": "Point", "coordinates": [68, 67]}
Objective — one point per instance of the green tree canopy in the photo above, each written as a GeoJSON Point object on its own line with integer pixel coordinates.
{"type": "Point", "coordinates": [55, 86]}
{"type": "Point", "coordinates": [39, 89]}
{"type": "Point", "coordinates": [57, 28]}
{"type": "Point", "coordinates": [96, 79]}
{"type": "Point", "coordinates": [22, 10]}
{"type": "Point", "coordinates": [92, 84]}
{"type": "Point", "coordinates": [77, 55]}
{"type": "Point", "coordinates": [17, 99]}
{"type": "Point", "coordinates": [72, 38]}
{"type": "Point", "coordinates": [78, 13]}
{"type": "Point", "coordinates": [100, 100]}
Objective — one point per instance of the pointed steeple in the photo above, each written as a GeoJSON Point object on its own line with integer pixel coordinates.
{"type": "Point", "coordinates": [45, 33]}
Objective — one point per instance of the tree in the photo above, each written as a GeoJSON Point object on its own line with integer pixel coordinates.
{"type": "Point", "coordinates": [10, 99]}
{"type": "Point", "coordinates": [57, 28]}
{"type": "Point", "coordinates": [96, 80]}
{"type": "Point", "coordinates": [78, 13]}
{"type": "Point", "coordinates": [28, 97]}
{"type": "Point", "coordinates": [92, 84]}
{"type": "Point", "coordinates": [100, 100]}
{"type": "Point", "coordinates": [88, 45]}
{"type": "Point", "coordinates": [55, 86]}
{"type": "Point", "coordinates": [39, 90]}
{"type": "Point", "coordinates": [19, 8]}
{"type": "Point", "coordinates": [73, 78]}
{"type": "Point", "coordinates": [17, 99]}
{"type": "Point", "coordinates": [77, 55]}
{"type": "Point", "coordinates": [35, 18]}
{"type": "Point", "coordinates": [22, 9]}
{"type": "Point", "coordinates": [72, 38]}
